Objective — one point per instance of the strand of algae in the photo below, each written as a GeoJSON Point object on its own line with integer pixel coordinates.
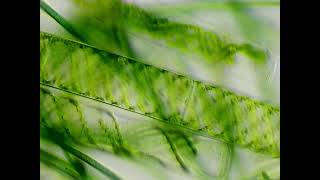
{"type": "Point", "coordinates": [104, 24]}
{"type": "Point", "coordinates": [122, 82]}
{"type": "Point", "coordinates": [183, 146]}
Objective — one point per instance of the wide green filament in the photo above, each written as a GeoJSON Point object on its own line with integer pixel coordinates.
{"type": "Point", "coordinates": [141, 88]}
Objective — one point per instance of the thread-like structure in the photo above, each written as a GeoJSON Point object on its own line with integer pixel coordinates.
{"type": "Point", "coordinates": [157, 93]}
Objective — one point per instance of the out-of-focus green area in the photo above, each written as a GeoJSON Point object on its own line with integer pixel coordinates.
{"type": "Point", "coordinates": [104, 116]}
